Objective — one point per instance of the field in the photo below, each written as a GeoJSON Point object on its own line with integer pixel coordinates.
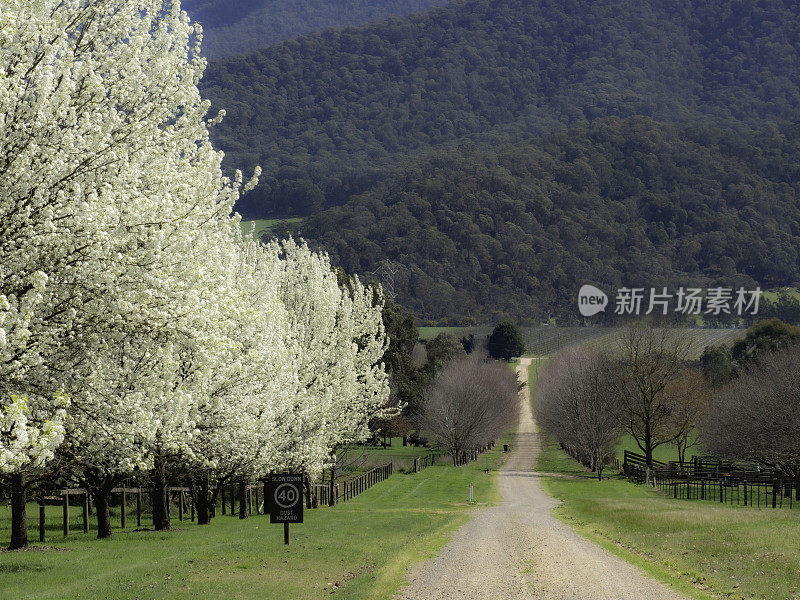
{"type": "Point", "coordinates": [546, 340]}
{"type": "Point", "coordinates": [360, 549]}
{"type": "Point", "coordinates": [709, 550]}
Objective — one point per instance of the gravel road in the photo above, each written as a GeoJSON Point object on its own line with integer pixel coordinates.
{"type": "Point", "coordinates": [519, 550]}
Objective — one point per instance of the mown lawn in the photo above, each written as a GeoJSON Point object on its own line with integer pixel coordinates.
{"type": "Point", "coordinates": [360, 549]}
{"type": "Point", "coordinates": [708, 550]}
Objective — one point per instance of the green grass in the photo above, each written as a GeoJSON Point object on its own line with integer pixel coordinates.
{"type": "Point", "coordinates": [263, 226]}
{"type": "Point", "coordinates": [704, 549]}
{"type": "Point", "coordinates": [664, 452]}
{"type": "Point", "coordinates": [361, 549]}
{"type": "Point", "coordinates": [363, 458]}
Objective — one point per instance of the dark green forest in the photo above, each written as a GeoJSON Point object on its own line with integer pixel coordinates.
{"type": "Point", "coordinates": [330, 115]}
{"type": "Point", "coordinates": [242, 26]}
{"type": "Point", "coordinates": [479, 234]}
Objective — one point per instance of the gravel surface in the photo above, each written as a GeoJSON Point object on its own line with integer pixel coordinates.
{"type": "Point", "coordinates": [519, 550]}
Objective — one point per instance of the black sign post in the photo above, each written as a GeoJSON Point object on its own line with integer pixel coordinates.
{"type": "Point", "coordinates": [285, 499]}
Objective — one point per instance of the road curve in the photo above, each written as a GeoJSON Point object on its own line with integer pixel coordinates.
{"type": "Point", "coordinates": [519, 550]}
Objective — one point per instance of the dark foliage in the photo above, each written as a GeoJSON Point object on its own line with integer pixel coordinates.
{"type": "Point", "coordinates": [405, 379]}
{"type": "Point", "coordinates": [440, 351]}
{"type": "Point", "coordinates": [717, 365]}
{"type": "Point", "coordinates": [624, 202]}
{"type": "Point", "coordinates": [505, 341]}
{"type": "Point", "coordinates": [763, 338]}
{"type": "Point", "coordinates": [328, 114]}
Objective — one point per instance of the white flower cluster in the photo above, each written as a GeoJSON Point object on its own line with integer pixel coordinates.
{"type": "Point", "coordinates": [126, 286]}
{"type": "Point", "coordinates": [23, 445]}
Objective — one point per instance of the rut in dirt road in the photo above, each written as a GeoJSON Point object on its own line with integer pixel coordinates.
{"type": "Point", "coordinates": [519, 550]}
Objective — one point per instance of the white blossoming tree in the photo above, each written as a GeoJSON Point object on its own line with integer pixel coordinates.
{"type": "Point", "coordinates": [126, 287]}
{"type": "Point", "coordinates": [107, 176]}
{"type": "Point", "coordinates": [340, 339]}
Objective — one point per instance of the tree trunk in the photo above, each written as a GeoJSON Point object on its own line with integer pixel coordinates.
{"type": "Point", "coordinates": [159, 495]}
{"type": "Point", "coordinates": [100, 496]}
{"type": "Point", "coordinates": [243, 499]}
{"type": "Point", "coordinates": [332, 494]}
{"type": "Point", "coordinates": [19, 514]}
{"type": "Point", "coordinates": [648, 446]}
{"type": "Point", "coordinates": [201, 500]}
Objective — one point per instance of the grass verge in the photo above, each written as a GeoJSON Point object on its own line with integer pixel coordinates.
{"type": "Point", "coordinates": [703, 549]}
{"type": "Point", "coordinates": [360, 549]}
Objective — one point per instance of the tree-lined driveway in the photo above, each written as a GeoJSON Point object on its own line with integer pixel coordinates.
{"type": "Point", "coordinates": [519, 550]}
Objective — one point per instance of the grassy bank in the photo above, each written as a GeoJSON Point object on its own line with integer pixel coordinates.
{"type": "Point", "coordinates": [361, 549]}
{"type": "Point", "coordinates": [705, 549]}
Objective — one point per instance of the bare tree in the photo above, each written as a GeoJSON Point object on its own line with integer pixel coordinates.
{"type": "Point", "coordinates": [651, 360]}
{"type": "Point", "coordinates": [688, 396]}
{"type": "Point", "coordinates": [471, 403]}
{"type": "Point", "coordinates": [572, 403]}
{"type": "Point", "coordinates": [757, 417]}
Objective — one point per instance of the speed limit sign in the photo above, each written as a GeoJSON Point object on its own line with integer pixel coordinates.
{"type": "Point", "coordinates": [285, 498]}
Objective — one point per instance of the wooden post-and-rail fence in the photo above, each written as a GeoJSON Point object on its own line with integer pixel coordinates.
{"type": "Point", "coordinates": [319, 494]}
{"type": "Point", "coordinates": [715, 480]}
{"type": "Point", "coordinates": [127, 496]}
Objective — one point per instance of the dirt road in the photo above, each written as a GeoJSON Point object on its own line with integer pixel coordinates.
{"type": "Point", "coordinates": [519, 550]}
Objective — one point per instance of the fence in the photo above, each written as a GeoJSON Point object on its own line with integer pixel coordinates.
{"type": "Point", "coordinates": [319, 494]}
{"type": "Point", "coordinates": [62, 497]}
{"type": "Point", "coordinates": [707, 478]}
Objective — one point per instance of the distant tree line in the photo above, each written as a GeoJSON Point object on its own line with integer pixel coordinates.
{"type": "Point", "coordinates": [330, 114]}
{"type": "Point", "coordinates": [483, 235]}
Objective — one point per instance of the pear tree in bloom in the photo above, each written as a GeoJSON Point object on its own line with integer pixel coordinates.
{"type": "Point", "coordinates": [340, 339]}
{"type": "Point", "coordinates": [108, 174]}
{"type": "Point", "coordinates": [52, 169]}
{"type": "Point", "coordinates": [243, 376]}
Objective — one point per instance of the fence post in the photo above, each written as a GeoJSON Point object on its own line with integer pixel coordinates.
{"type": "Point", "coordinates": [41, 519]}
{"type": "Point", "coordinates": [122, 508]}
{"type": "Point", "coordinates": [86, 512]}
{"type": "Point", "coordinates": [139, 507]}
{"type": "Point", "coordinates": [66, 512]}
{"type": "Point", "coordinates": [745, 493]}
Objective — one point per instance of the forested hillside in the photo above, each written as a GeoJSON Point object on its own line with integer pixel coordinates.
{"type": "Point", "coordinates": [475, 233]}
{"type": "Point", "coordinates": [245, 25]}
{"type": "Point", "coordinates": [331, 114]}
